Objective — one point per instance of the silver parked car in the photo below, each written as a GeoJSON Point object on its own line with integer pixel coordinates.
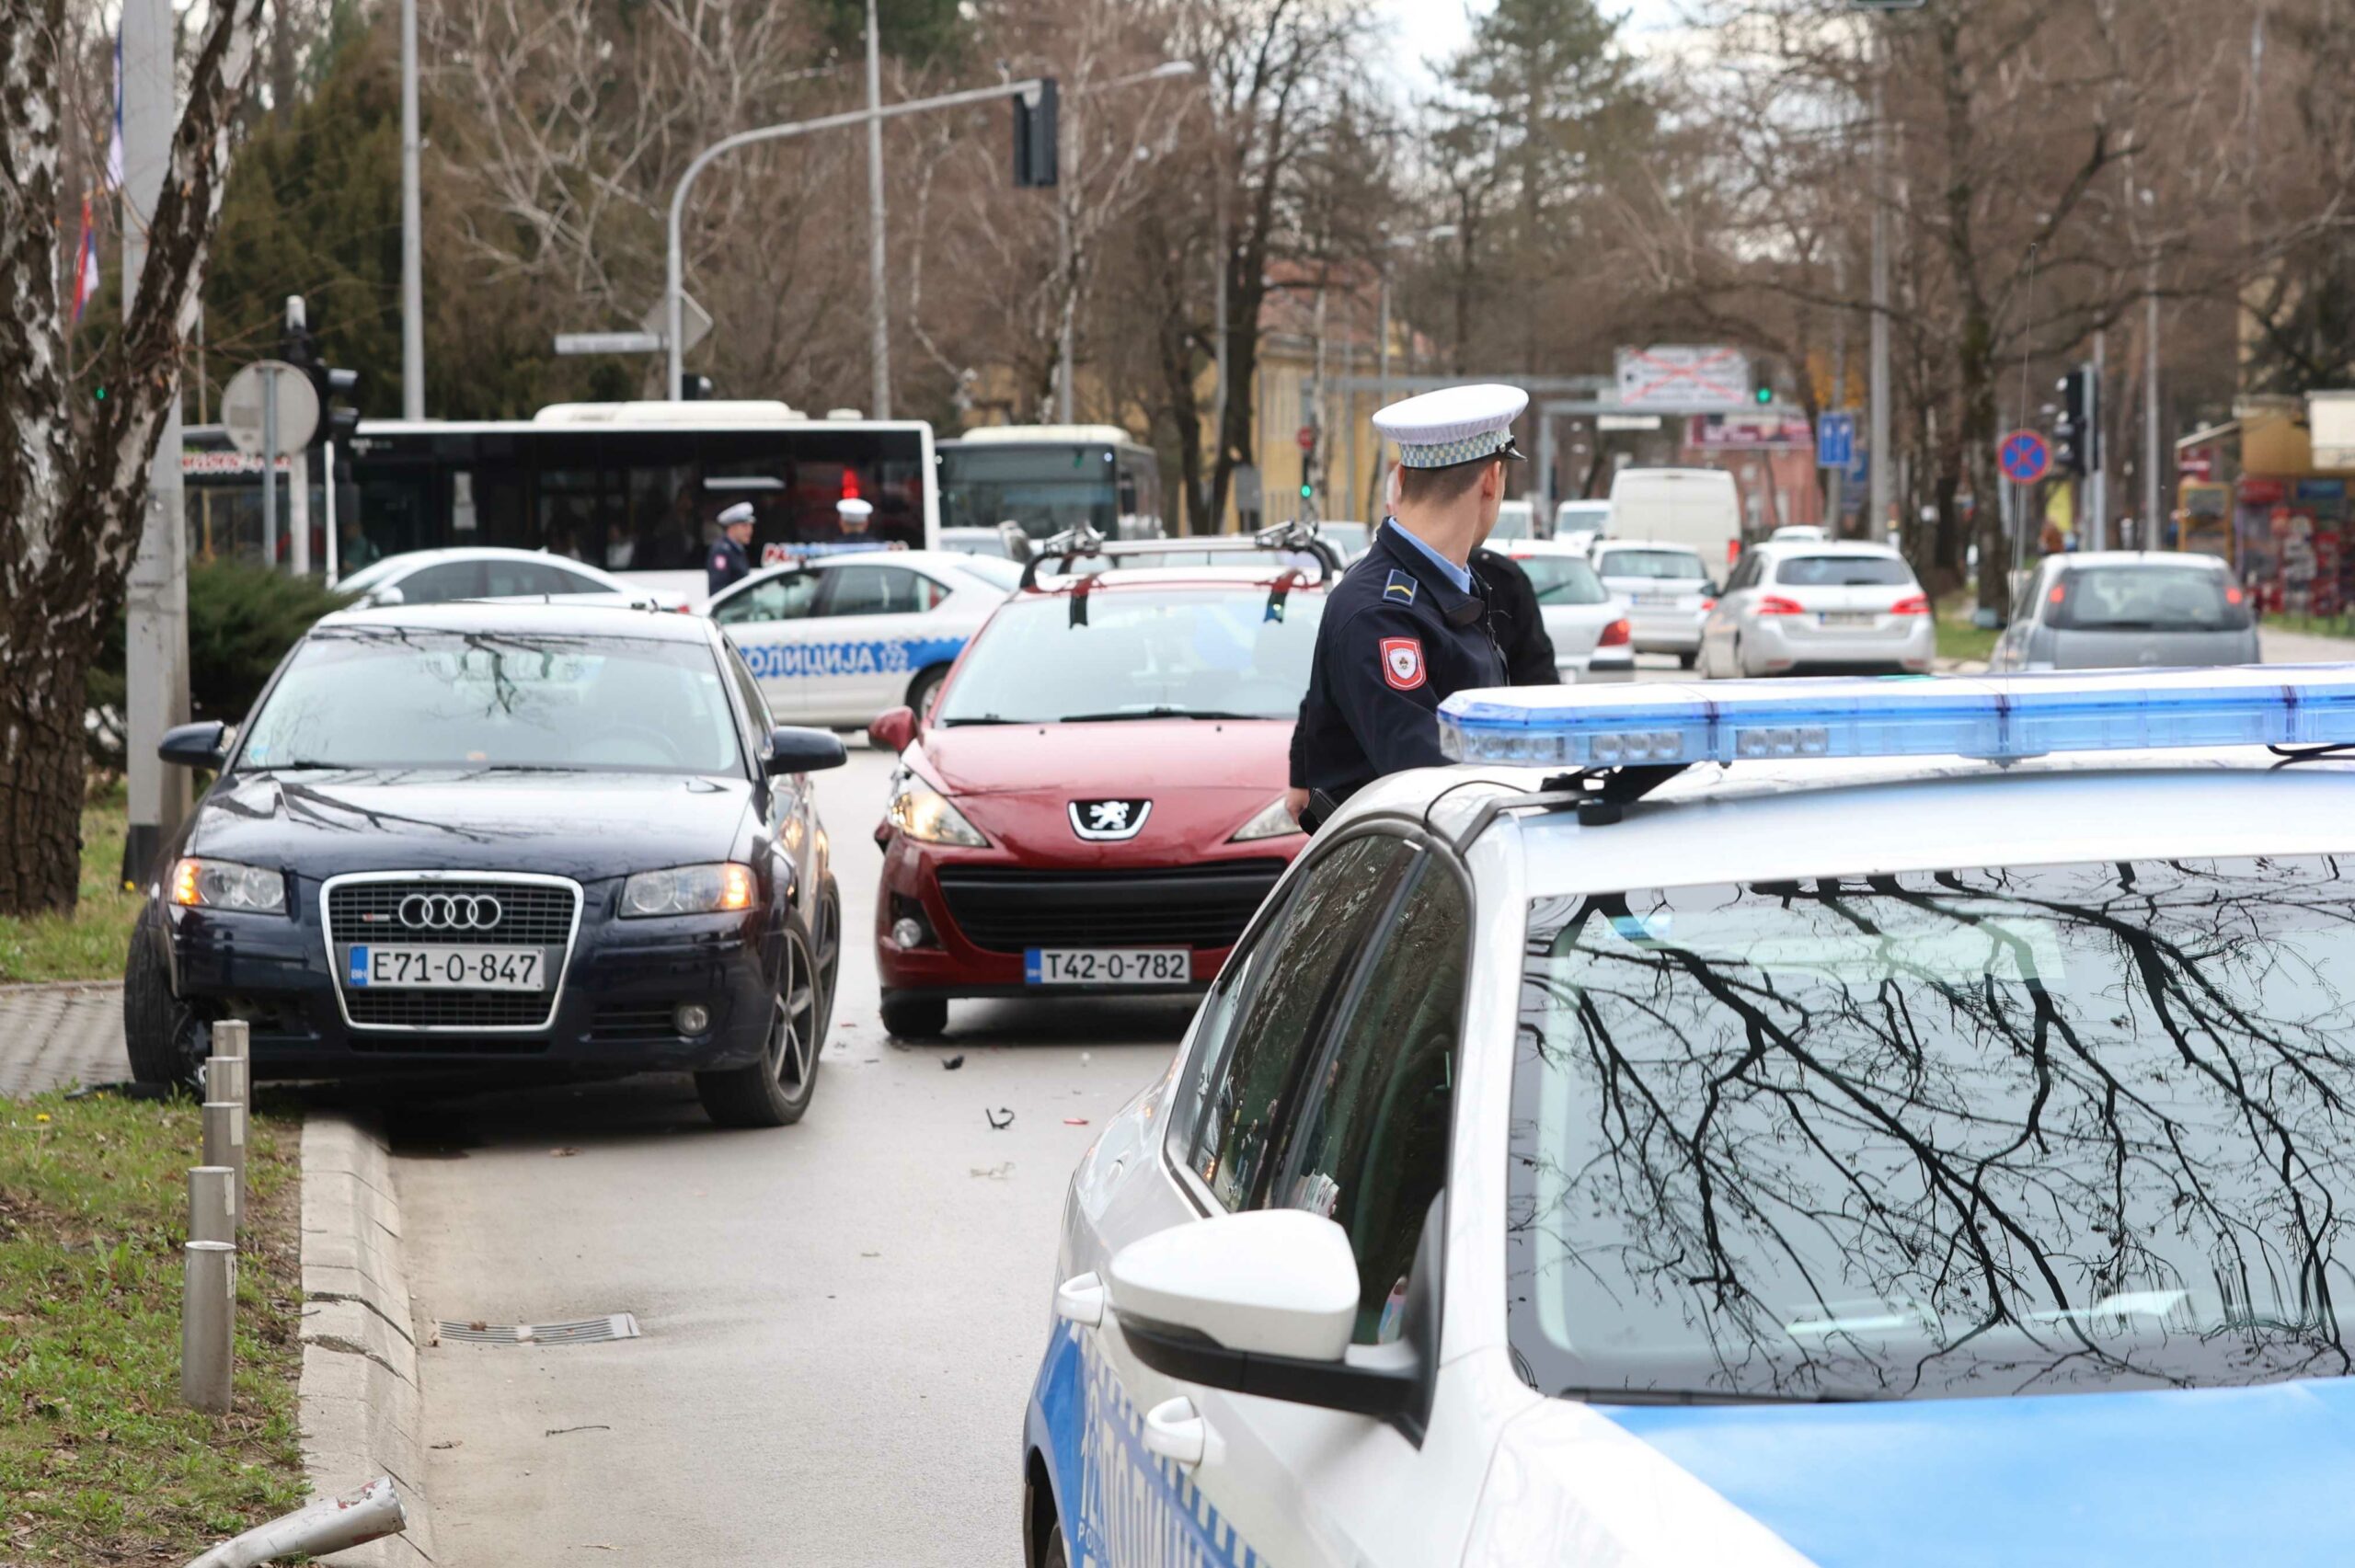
{"type": "Point", "coordinates": [1801, 606]}
{"type": "Point", "coordinates": [1587, 623]}
{"type": "Point", "coordinates": [1668, 589]}
{"type": "Point", "coordinates": [2127, 609]}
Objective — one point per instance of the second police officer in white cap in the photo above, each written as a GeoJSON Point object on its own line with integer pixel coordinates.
{"type": "Point", "coordinates": [1409, 626]}
{"type": "Point", "coordinates": [728, 564]}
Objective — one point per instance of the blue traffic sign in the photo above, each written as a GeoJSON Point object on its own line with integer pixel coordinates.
{"type": "Point", "coordinates": [2027, 457]}
{"type": "Point", "coordinates": [1835, 441]}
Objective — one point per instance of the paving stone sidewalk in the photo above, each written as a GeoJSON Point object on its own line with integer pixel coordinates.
{"type": "Point", "coordinates": [54, 1036]}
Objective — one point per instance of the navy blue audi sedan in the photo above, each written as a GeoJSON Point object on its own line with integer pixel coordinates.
{"type": "Point", "coordinates": [508, 834]}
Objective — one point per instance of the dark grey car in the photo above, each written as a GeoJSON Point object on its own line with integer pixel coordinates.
{"type": "Point", "coordinates": [2127, 609]}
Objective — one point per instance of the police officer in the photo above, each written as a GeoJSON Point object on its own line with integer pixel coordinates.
{"type": "Point", "coordinates": [1409, 626]}
{"type": "Point", "coordinates": [728, 564]}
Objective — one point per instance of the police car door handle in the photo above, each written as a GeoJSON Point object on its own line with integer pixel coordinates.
{"type": "Point", "coordinates": [1080, 1300]}
{"type": "Point", "coordinates": [1175, 1430]}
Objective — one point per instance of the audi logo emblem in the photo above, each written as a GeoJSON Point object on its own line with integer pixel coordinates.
{"type": "Point", "coordinates": [451, 912]}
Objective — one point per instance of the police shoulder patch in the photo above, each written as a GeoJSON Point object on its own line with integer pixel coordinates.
{"type": "Point", "coordinates": [1401, 588]}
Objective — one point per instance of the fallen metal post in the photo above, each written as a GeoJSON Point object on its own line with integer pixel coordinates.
{"type": "Point", "coordinates": [225, 1144]}
{"type": "Point", "coordinates": [212, 1204]}
{"type": "Point", "coordinates": [330, 1524]}
{"type": "Point", "coordinates": [208, 1324]}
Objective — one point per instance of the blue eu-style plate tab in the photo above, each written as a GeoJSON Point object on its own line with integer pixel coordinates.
{"type": "Point", "coordinates": [1033, 967]}
{"type": "Point", "coordinates": [358, 975]}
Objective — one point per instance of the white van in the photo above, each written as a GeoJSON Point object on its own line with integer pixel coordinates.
{"type": "Point", "coordinates": [1699, 507]}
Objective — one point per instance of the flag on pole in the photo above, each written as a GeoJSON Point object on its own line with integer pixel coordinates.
{"type": "Point", "coordinates": [86, 263]}
{"type": "Point", "coordinates": [114, 143]}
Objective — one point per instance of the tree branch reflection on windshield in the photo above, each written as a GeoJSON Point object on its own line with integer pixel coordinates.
{"type": "Point", "coordinates": [1984, 1131]}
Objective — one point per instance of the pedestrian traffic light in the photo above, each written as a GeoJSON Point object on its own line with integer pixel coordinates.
{"type": "Point", "coordinates": [1038, 141]}
{"type": "Point", "coordinates": [2075, 434]}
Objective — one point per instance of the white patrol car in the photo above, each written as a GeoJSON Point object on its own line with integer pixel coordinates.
{"type": "Point", "coordinates": [839, 639]}
{"type": "Point", "coordinates": [1845, 1124]}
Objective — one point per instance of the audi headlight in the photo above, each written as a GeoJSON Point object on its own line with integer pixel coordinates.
{"type": "Point", "coordinates": [1275, 822]}
{"type": "Point", "coordinates": [688, 890]}
{"type": "Point", "coordinates": [222, 885]}
{"type": "Point", "coordinates": [925, 815]}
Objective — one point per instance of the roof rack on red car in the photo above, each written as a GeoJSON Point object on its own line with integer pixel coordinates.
{"type": "Point", "coordinates": [1083, 542]}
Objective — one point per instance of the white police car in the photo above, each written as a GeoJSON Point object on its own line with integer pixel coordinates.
{"type": "Point", "coordinates": [841, 638]}
{"type": "Point", "coordinates": [1927, 1138]}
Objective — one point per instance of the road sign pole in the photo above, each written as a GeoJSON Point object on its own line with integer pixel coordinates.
{"type": "Point", "coordinates": [269, 470]}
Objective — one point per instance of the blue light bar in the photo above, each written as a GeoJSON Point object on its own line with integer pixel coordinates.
{"type": "Point", "coordinates": [1998, 718]}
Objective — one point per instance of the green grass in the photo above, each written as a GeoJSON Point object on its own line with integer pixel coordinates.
{"type": "Point", "coordinates": [99, 1462]}
{"type": "Point", "coordinates": [1959, 639]}
{"type": "Point", "coordinates": [2310, 626]}
{"type": "Point", "coordinates": [90, 944]}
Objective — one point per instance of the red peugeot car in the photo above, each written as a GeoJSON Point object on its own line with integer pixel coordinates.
{"type": "Point", "coordinates": [1094, 803]}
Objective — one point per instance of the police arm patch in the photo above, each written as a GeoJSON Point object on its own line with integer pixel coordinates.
{"type": "Point", "coordinates": [1402, 663]}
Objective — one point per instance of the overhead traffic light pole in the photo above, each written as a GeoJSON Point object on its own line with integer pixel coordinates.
{"type": "Point", "coordinates": [1030, 89]}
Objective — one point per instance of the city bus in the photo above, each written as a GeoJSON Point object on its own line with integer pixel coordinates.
{"type": "Point", "coordinates": [1052, 477]}
{"type": "Point", "coordinates": [633, 488]}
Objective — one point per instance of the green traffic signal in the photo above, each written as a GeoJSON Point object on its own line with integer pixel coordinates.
{"type": "Point", "coordinates": [1307, 491]}
{"type": "Point", "coordinates": [1766, 396]}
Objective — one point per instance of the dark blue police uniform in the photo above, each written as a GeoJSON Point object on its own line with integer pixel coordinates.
{"type": "Point", "coordinates": [1397, 639]}
{"type": "Point", "coordinates": [725, 566]}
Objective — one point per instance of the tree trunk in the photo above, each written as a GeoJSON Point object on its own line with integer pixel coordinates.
{"type": "Point", "coordinates": [42, 785]}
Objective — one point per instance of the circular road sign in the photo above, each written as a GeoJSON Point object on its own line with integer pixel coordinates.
{"type": "Point", "coordinates": [242, 407]}
{"type": "Point", "coordinates": [2027, 457]}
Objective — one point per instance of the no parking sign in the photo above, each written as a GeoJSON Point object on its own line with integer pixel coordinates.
{"type": "Point", "coordinates": [2027, 457]}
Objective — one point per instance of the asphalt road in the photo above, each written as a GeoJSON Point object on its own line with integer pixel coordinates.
{"type": "Point", "coordinates": [841, 1318]}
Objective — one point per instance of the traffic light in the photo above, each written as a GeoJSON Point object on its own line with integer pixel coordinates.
{"type": "Point", "coordinates": [2076, 440]}
{"type": "Point", "coordinates": [1762, 385]}
{"type": "Point", "coordinates": [1038, 141]}
{"type": "Point", "coordinates": [334, 387]}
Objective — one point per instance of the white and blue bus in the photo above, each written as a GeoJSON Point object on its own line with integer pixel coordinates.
{"type": "Point", "coordinates": [632, 487]}
{"type": "Point", "coordinates": [1049, 478]}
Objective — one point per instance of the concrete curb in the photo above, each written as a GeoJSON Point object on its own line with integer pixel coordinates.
{"type": "Point", "coordinates": [363, 1413]}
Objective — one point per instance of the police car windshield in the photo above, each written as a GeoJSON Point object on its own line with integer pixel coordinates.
{"type": "Point", "coordinates": [2022, 1131]}
{"type": "Point", "coordinates": [1673, 566]}
{"type": "Point", "coordinates": [377, 698]}
{"type": "Point", "coordinates": [1142, 652]}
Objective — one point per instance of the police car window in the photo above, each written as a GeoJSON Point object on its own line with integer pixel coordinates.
{"type": "Point", "coordinates": [787, 597]}
{"type": "Point", "coordinates": [875, 590]}
{"type": "Point", "coordinates": [440, 585]}
{"type": "Point", "coordinates": [1252, 1075]}
{"type": "Point", "coordinates": [2040, 1129]}
{"type": "Point", "coordinates": [1369, 1149]}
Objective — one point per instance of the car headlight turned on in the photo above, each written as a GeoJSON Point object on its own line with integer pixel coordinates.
{"type": "Point", "coordinates": [1275, 821]}
{"type": "Point", "coordinates": [925, 815]}
{"type": "Point", "coordinates": [688, 890]}
{"type": "Point", "coordinates": [223, 885]}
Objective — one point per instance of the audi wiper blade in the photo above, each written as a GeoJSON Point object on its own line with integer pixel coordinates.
{"type": "Point", "coordinates": [1126, 714]}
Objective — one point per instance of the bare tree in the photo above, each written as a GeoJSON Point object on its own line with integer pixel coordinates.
{"type": "Point", "coordinates": [73, 490]}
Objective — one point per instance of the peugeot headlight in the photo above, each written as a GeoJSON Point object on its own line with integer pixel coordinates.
{"type": "Point", "coordinates": [1275, 822]}
{"type": "Point", "coordinates": [925, 815]}
{"type": "Point", "coordinates": [222, 885]}
{"type": "Point", "coordinates": [688, 890]}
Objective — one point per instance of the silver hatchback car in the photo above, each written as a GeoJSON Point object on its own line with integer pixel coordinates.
{"type": "Point", "coordinates": [2121, 608]}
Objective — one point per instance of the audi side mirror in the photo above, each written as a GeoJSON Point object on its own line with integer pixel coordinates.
{"type": "Point", "coordinates": [893, 730]}
{"type": "Point", "coordinates": [793, 749]}
{"type": "Point", "coordinates": [195, 745]}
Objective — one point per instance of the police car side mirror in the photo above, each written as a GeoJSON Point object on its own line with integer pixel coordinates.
{"type": "Point", "coordinates": [892, 729]}
{"type": "Point", "coordinates": [796, 750]}
{"type": "Point", "coordinates": [1262, 1302]}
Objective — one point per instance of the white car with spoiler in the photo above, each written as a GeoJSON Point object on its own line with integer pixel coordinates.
{"type": "Point", "coordinates": [1844, 1123]}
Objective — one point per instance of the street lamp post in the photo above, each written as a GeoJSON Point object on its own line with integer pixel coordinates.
{"type": "Point", "coordinates": [674, 266]}
{"type": "Point", "coordinates": [1884, 471]}
{"type": "Point", "coordinates": [878, 279]}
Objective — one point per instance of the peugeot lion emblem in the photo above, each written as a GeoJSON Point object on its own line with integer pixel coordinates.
{"type": "Point", "coordinates": [1105, 820]}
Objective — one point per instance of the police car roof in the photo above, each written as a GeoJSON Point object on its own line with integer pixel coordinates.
{"type": "Point", "coordinates": [1779, 821]}
{"type": "Point", "coordinates": [524, 617]}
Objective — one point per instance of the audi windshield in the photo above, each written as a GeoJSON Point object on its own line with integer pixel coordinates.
{"type": "Point", "coordinates": [1121, 653]}
{"type": "Point", "coordinates": [1975, 1132]}
{"type": "Point", "coordinates": [382, 698]}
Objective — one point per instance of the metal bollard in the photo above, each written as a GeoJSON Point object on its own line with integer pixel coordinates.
{"type": "Point", "coordinates": [208, 1326]}
{"type": "Point", "coordinates": [225, 1144]}
{"type": "Point", "coordinates": [230, 1080]}
{"type": "Point", "coordinates": [212, 1204]}
{"type": "Point", "coordinates": [233, 1037]}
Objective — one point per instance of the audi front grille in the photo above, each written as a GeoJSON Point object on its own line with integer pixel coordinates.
{"type": "Point", "coordinates": [473, 909]}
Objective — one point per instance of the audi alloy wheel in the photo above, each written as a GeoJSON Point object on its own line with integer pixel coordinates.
{"type": "Point", "coordinates": [776, 1090]}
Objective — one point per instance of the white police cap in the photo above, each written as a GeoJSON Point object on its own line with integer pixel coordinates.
{"type": "Point", "coordinates": [853, 509]}
{"type": "Point", "coordinates": [1456, 424]}
{"type": "Point", "coordinates": [740, 512]}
